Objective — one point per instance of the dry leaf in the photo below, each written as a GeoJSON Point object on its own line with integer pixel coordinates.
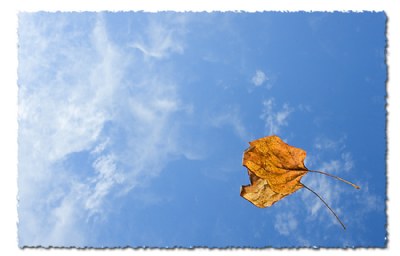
{"type": "Point", "coordinates": [275, 170]}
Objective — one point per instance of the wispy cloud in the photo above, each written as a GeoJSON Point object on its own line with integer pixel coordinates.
{"type": "Point", "coordinates": [304, 108]}
{"type": "Point", "coordinates": [332, 191]}
{"type": "Point", "coordinates": [348, 162]}
{"type": "Point", "coordinates": [275, 119]}
{"type": "Point", "coordinates": [324, 143]}
{"type": "Point", "coordinates": [60, 112]}
{"type": "Point", "coordinates": [285, 223]}
{"type": "Point", "coordinates": [329, 191]}
{"type": "Point", "coordinates": [107, 176]}
{"type": "Point", "coordinates": [332, 156]}
{"type": "Point", "coordinates": [75, 98]}
{"type": "Point", "coordinates": [233, 119]}
{"type": "Point", "coordinates": [344, 163]}
{"type": "Point", "coordinates": [161, 40]}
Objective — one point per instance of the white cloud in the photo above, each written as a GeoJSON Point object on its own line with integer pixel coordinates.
{"type": "Point", "coordinates": [352, 206]}
{"type": "Point", "coordinates": [324, 188]}
{"type": "Point", "coordinates": [285, 223]}
{"type": "Point", "coordinates": [328, 188]}
{"type": "Point", "coordinates": [343, 163]}
{"type": "Point", "coordinates": [369, 201]}
{"type": "Point", "coordinates": [341, 197]}
{"type": "Point", "coordinates": [107, 176]}
{"type": "Point", "coordinates": [332, 166]}
{"type": "Point", "coordinates": [68, 93]}
{"type": "Point", "coordinates": [100, 147]}
{"type": "Point", "coordinates": [61, 223]}
{"type": "Point", "coordinates": [161, 40]}
{"type": "Point", "coordinates": [275, 119]}
{"type": "Point", "coordinates": [323, 143]}
{"type": "Point", "coordinates": [348, 162]}
{"type": "Point", "coordinates": [58, 114]}
{"type": "Point", "coordinates": [259, 78]}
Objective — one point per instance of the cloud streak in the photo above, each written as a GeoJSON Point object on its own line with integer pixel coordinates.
{"type": "Point", "coordinates": [285, 223]}
{"type": "Point", "coordinates": [275, 119]}
{"type": "Point", "coordinates": [342, 164]}
{"type": "Point", "coordinates": [233, 119]}
{"type": "Point", "coordinates": [353, 207]}
{"type": "Point", "coordinates": [160, 40]}
{"type": "Point", "coordinates": [86, 105]}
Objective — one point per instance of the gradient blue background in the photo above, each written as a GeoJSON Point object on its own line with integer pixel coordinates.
{"type": "Point", "coordinates": [132, 127]}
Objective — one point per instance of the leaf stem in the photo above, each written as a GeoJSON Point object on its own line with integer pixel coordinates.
{"type": "Point", "coordinates": [333, 176]}
{"type": "Point", "coordinates": [341, 223]}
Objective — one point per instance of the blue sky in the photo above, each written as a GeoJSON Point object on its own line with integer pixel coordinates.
{"type": "Point", "coordinates": [132, 127]}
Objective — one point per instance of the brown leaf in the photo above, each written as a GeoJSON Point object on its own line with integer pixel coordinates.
{"type": "Point", "coordinates": [259, 192]}
{"type": "Point", "coordinates": [279, 166]}
{"type": "Point", "coordinates": [275, 170]}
